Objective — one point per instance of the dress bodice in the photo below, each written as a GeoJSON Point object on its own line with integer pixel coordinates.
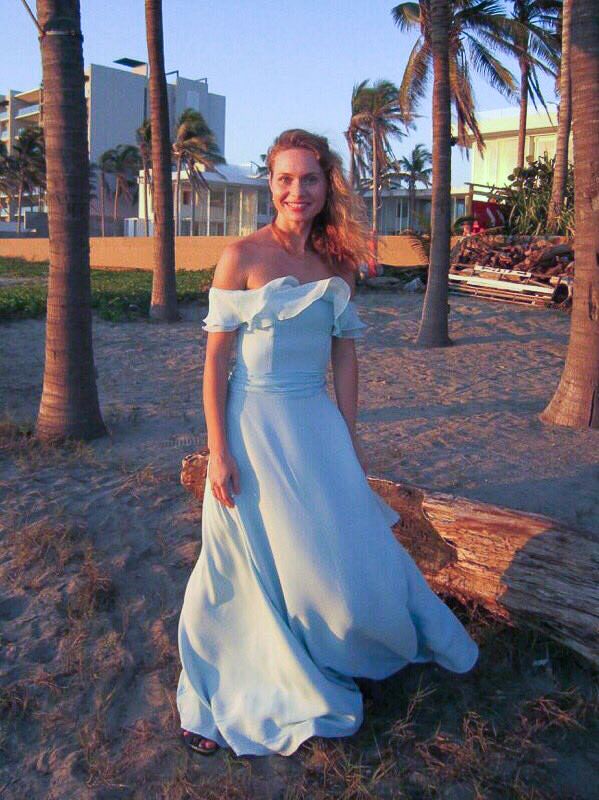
{"type": "Point", "coordinates": [284, 331]}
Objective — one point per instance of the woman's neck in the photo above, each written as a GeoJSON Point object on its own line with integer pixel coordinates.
{"type": "Point", "coordinates": [293, 237]}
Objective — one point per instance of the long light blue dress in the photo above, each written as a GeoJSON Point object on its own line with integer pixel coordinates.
{"type": "Point", "coordinates": [301, 586]}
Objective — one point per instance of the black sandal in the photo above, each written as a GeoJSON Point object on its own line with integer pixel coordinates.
{"type": "Point", "coordinates": [195, 742]}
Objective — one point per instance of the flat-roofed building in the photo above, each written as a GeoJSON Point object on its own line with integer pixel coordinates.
{"type": "Point", "coordinates": [117, 104]}
{"type": "Point", "coordinates": [235, 203]}
{"type": "Point", "coordinates": [499, 128]}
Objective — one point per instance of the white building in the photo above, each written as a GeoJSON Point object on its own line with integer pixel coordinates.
{"type": "Point", "coordinates": [235, 204]}
{"type": "Point", "coordinates": [393, 214]}
{"type": "Point", "coordinates": [117, 105]}
{"type": "Point", "coordinates": [500, 131]}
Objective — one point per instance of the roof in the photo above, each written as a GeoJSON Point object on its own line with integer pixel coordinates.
{"type": "Point", "coordinates": [238, 174]}
{"type": "Point", "coordinates": [500, 122]}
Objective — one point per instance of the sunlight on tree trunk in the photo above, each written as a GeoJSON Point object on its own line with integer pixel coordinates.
{"type": "Point", "coordinates": [433, 331]}
{"type": "Point", "coordinates": [102, 201]}
{"type": "Point", "coordinates": [164, 289]}
{"type": "Point", "coordinates": [523, 114]}
{"type": "Point", "coordinates": [69, 405]}
{"type": "Point", "coordinates": [560, 170]}
{"type": "Point", "coordinates": [375, 196]}
{"type": "Point", "coordinates": [576, 401]}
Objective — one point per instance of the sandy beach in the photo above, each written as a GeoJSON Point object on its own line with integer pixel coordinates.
{"type": "Point", "coordinates": [99, 539]}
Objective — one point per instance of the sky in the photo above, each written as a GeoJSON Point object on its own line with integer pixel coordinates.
{"type": "Point", "coordinates": [279, 64]}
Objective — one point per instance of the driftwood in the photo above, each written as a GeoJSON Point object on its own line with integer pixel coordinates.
{"type": "Point", "coordinates": [537, 272]}
{"type": "Point", "coordinates": [524, 568]}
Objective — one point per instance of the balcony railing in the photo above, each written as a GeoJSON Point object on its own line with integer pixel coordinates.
{"type": "Point", "coordinates": [24, 112]}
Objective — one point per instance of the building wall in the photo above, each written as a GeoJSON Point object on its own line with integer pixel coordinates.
{"type": "Point", "coordinates": [498, 160]}
{"type": "Point", "coordinates": [116, 108]}
{"type": "Point", "coordinates": [500, 156]}
{"type": "Point", "coordinates": [199, 252]}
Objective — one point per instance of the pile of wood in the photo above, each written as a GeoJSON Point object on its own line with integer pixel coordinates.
{"type": "Point", "coordinates": [527, 270]}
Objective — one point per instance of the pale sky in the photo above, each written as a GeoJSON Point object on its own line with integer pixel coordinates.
{"type": "Point", "coordinates": [279, 64]}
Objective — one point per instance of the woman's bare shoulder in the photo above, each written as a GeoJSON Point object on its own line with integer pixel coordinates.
{"type": "Point", "coordinates": [230, 271]}
{"type": "Point", "coordinates": [237, 259]}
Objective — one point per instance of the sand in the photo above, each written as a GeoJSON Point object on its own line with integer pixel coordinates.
{"type": "Point", "coordinates": [89, 605]}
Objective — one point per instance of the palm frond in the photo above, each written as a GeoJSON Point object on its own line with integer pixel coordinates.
{"type": "Point", "coordinates": [407, 15]}
{"type": "Point", "coordinates": [415, 79]}
{"type": "Point", "coordinates": [496, 74]}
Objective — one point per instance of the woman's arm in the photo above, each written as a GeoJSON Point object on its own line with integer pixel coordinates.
{"type": "Point", "coordinates": [223, 469]}
{"type": "Point", "coordinates": [345, 381]}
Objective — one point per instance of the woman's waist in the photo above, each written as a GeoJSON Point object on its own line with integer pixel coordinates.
{"type": "Point", "coordinates": [297, 382]}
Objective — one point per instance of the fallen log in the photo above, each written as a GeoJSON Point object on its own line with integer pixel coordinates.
{"type": "Point", "coordinates": [524, 568]}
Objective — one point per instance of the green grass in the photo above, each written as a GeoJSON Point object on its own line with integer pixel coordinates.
{"type": "Point", "coordinates": [117, 295]}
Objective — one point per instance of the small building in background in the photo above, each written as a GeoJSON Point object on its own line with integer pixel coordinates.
{"type": "Point", "coordinates": [393, 216]}
{"type": "Point", "coordinates": [236, 203]}
{"type": "Point", "coordinates": [499, 128]}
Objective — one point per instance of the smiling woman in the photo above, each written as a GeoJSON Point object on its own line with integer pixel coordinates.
{"type": "Point", "coordinates": [300, 585]}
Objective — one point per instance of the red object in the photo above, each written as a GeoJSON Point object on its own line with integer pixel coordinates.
{"type": "Point", "coordinates": [487, 215]}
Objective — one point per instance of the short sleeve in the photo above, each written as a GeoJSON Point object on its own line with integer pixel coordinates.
{"type": "Point", "coordinates": [223, 312]}
{"type": "Point", "coordinates": [348, 324]}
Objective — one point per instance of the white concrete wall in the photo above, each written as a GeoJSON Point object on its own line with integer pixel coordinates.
{"type": "Point", "coordinates": [116, 108]}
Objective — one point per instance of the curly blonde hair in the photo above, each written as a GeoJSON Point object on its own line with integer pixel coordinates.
{"type": "Point", "coordinates": [340, 232]}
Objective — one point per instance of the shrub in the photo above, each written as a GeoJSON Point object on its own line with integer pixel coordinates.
{"type": "Point", "coordinates": [525, 201]}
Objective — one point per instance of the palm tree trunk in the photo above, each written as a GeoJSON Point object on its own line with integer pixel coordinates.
{"type": "Point", "coordinates": [102, 201]}
{"type": "Point", "coordinates": [433, 331]}
{"type": "Point", "coordinates": [523, 113]}
{"type": "Point", "coordinates": [19, 207]}
{"type": "Point", "coordinates": [560, 169]}
{"type": "Point", "coordinates": [164, 289]}
{"type": "Point", "coordinates": [115, 209]}
{"type": "Point", "coordinates": [576, 400]}
{"type": "Point", "coordinates": [178, 200]}
{"type": "Point", "coordinates": [375, 195]}
{"type": "Point", "coordinates": [146, 178]}
{"type": "Point", "coordinates": [193, 210]}
{"type": "Point", "coordinates": [411, 204]}
{"type": "Point", "coordinates": [69, 405]}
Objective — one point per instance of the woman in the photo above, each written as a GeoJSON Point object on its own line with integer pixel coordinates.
{"type": "Point", "coordinates": [300, 585]}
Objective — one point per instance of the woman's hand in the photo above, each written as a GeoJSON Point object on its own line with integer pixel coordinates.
{"type": "Point", "coordinates": [222, 472]}
{"type": "Point", "coordinates": [360, 452]}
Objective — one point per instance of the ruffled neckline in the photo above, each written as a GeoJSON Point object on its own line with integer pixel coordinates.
{"type": "Point", "coordinates": [281, 280]}
{"type": "Point", "coordinates": [280, 298]}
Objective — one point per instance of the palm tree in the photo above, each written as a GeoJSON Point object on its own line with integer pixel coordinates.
{"type": "Point", "coordinates": [194, 147]}
{"type": "Point", "coordinates": [69, 405]}
{"type": "Point", "coordinates": [476, 27]}
{"type": "Point", "coordinates": [560, 170]}
{"type": "Point", "coordinates": [125, 166]}
{"type": "Point", "coordinates": [164, 285]}
{"type": "Point", "coordinates": [375, 119]}
{"type": "Point", "coordinates": [433, 331]}
{"type": "Point", "coordinates": [28, 166]}
{"type": "Point", "coordinates": [531, 34]}
{"type": "Point", "coordinates": [144, 142]}
{"type": "Point", "coordinates": [357, 141]}
{"type": "Point", "coordinates": [8, 179]}
{"type": "Point", "coordinates": [414, 169]}
{"type": "Point", "coordinates": [105, 167]}
{"type": "Point", "coordinates": [576, 400]}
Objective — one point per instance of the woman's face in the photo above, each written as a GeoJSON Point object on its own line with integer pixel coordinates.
{"type": "Point", "coordinates": [298, 185]}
